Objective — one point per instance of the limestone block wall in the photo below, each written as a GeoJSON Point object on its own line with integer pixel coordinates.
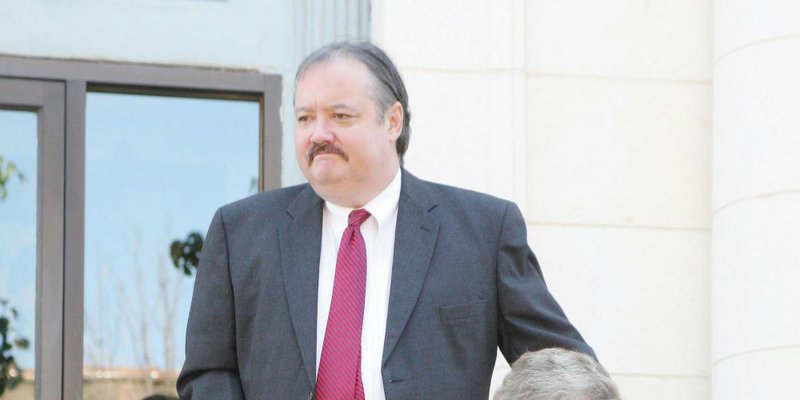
{"type": "Point", "coordinates": [595, 118]}
{"type": "Point", "coordinates": [618, 129]}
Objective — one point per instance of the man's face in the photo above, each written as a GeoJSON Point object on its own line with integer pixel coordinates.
{"type": "Point", "coordinates": [341, 145]}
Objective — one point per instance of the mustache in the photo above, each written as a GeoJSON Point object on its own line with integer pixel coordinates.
{"type": "Point", "coordinates": [325, 148]}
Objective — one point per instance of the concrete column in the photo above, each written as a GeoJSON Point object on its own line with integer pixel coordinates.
{"type": "Point", "coordinates": [319, 22]}
{"type": "Point", "coordinates": [756, 200]}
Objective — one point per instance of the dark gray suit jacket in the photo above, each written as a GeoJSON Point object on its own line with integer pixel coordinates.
{"type": "Point", "coordinates": [464, 282]}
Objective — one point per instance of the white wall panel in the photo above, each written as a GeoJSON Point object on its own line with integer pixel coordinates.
{"type": "Point", "coordinates": [756, 200]}
{"type": "Point", "coordinates": [739, 23]}
{"type": "Point", "coordinates": [453, 34]}
{"type": "Point", "coordinates": [639, 296]}
{"type": "Point", "coordinates": [756, 256]}
{"type": "Point", "coordinates": [758, 376]}
{"type": "Point", "coordinates": [662, 388]}
{"type": "Point", "coordinates": [659, 39]}
{"type": "Point", "coordinates": [618, 152]}
{"type": "Point", "coordinates": [757, 122]}
{"type": "Point", "coordinates": [463, 130]}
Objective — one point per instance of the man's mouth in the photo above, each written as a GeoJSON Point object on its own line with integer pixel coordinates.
{"type": "Point", "coordinates": [317, 149]}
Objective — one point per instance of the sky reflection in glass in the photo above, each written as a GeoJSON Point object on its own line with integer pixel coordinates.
{"type": "Point", "coordinates": [18, 144]}
{"type": "Point", "coordinates": [156, 169]}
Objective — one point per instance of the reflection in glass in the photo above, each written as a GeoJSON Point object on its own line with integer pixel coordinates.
{"type": "Point", "coordinates": [18, 149]}
{"type": "Point", "coordinates": [156, 170]}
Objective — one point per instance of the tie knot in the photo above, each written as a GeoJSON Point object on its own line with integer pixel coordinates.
{"type": "Point", "coordinates": [357, 217]}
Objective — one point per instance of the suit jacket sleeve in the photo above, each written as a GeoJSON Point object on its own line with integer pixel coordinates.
{"type": "Point", "coordinates": [529, 316]}
{"type": "Point", "coordinates": [210, 370]}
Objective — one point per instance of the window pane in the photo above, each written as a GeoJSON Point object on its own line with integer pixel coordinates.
{"type": "Point", "coordinates": [18, 150]}
{"type": "Point", "coordinates": [156, 170]}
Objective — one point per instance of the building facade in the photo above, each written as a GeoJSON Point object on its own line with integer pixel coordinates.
{"type": "Point", "coordinates": [650, 144]}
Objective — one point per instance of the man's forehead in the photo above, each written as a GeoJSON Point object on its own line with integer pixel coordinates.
{"type": "Point", "coordinates": [340, 62]}
{"type": "Point", "coordinates": [341, 76]}
{"type": "Point", "coordinates": [354, 96]}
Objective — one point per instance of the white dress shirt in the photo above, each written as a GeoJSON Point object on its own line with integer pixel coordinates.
{"type": "Point", "coordinates": [378, 232]}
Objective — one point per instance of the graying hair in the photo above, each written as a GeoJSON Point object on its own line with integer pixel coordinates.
{"type": "Point", "coordinates": [557, 374]}
{"type": "Point", "coordinates": [388, 86]}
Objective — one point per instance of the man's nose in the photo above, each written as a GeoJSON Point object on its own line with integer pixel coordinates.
{"type": "Point", "coordinates": [322, 132]}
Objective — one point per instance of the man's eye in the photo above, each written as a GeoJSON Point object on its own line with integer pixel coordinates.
{"type": "Point", "coordinates": [303, 118]}
{"type": "Point", "coordinates": [340, 116]}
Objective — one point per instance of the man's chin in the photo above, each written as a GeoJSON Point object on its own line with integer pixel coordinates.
{"type": "Point", "coordinates": [322, 175]}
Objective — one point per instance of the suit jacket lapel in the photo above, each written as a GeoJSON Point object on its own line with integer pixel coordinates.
{"type": "Point", "coordinates": [300, 244]}
{"type": "Point", "coordinates": [415, 238]}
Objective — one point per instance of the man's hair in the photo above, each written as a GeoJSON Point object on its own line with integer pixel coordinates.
{"type": "Point", "coordinates": [557, 374]}
{"type": "Point", "coordinates": [388, 86]}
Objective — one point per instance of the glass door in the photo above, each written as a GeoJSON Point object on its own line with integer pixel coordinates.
{"type": "Point", "coordinates": [157, 167]}
{"type": "Point", "coordinates": [107, 188]}
{"type": "Point", "coordinates": [31, 238]}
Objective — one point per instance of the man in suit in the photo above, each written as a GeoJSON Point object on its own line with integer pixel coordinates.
{"type": "Point", "coordinates": [367, 282]}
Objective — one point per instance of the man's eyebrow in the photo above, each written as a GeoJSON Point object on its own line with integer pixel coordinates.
{"type": "Point", "coordinates": [340, 106]}
{"type": "Point", "coordinates": [335, 106]}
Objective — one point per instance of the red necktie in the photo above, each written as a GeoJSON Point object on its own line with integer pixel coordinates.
{"type": "Point", "coordinates": [339, 376]}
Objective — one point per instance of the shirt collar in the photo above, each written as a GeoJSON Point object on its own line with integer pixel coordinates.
{"type": "Point", "coordinates": [382, 207]}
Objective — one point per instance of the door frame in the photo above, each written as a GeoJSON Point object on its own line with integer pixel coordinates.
{"type": "Point", "coordinates": [62, 86]}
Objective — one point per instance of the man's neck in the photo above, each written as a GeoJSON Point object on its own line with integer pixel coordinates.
{"type": "Point", "coordinates": [357, 197]}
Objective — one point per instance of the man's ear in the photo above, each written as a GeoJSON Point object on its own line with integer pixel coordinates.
{"type": "Point", "coordinates": [394, 116]}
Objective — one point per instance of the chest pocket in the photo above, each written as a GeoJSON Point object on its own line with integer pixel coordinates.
{"type": "Point", "coordinates": [473, 310]}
